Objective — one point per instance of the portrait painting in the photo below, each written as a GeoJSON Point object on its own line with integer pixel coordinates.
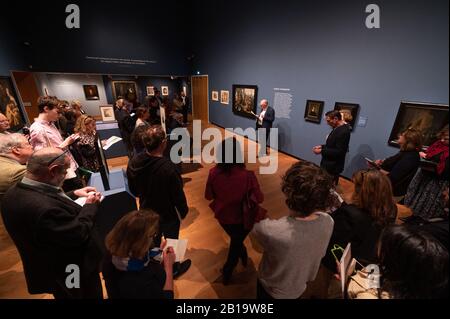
{"type": "Point", "coordinates": [150, 91]}
{"type": "Point", "coordinates": [91, 92]}
{"type": "Point", "coordinates": [9, 105]}
{"type": "Point", "coordinates": [244, 100]}
{"type": "Point", "coordinates": [165, 90]}
{"type": "Point", "coordinates": [125, 90]}
{"type": "Point", "coordinates": [352, 108]}
{"type": "Point", "coordinates": [428, 118]}
{"type": "Point", "coordinates": [215, 96]}
{"type": "Point", "coordinates": [225, 97]}
{"type": "Point", "coordinates": [107, 113]}
{"type": "Point", "coordinates": [313, 111]}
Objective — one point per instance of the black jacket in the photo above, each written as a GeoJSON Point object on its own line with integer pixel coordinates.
{"type": "Point", "coordinates": [401, 167]}
{"type": "Point", "coordinates": [126, 124]}
{"type": "Point", "coordinates": [145, 284]}
{"type": "Point", "coordinates": [269, 117]}
{"type": "Point", "coordinates": [159, 186]}
{"type": "Point", "coordinates": [355, 226]}
{"type": "Point", "coordinates": [335, 149]}
{"type": "Point", "coordinates": [50, 233]}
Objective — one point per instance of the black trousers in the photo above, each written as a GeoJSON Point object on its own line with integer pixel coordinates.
{"type": "Point", "coordinates": [72, 184]}
{"type": "Point", "coordinates": [168, 229]}
{"type": "Point", "coordinates": [261, 151]}
{"type": "Point", "coordinates": [237, 248]}
{"type": "Point", "coordinates": [90, 288]}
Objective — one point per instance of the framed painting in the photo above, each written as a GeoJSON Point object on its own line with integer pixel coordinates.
{"type": "Point", "coordinates": [124, 90]}
{"type": "Point", "coordinates": [9, 105]}
{"type": "Point", "coordinates": [425, 117]}
{"type": "Point", "coordinates": [225, 97]}
{"type": "Point", "coordinates": [150, 91]}
{"type": "Point", "coordinates": [244, 100]}
{"type": "Point", "coordinates": [107, 113]}
{"type": "Point", "coordinates": [164, 90]}
{"type": "Point", "coordinates": [351, 108]}
{"type": "Point", "coordinates": [313, 111]}
{"type": "Point", "coordinates": [91, 92]}
{"type": "Point", "coordinates": [215, 96]}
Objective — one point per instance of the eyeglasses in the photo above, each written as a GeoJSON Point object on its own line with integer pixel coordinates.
{"type": "Point", "coordinates": [50, 162]}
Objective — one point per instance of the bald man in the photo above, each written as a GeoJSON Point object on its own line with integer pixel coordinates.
{"type": "Point", "coordinates": [265, 120]}
{"type": "Point", "coordinates": [54, 235]}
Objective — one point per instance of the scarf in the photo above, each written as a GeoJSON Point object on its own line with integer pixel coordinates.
{"type": "Point", "coordinates": [438, 148]}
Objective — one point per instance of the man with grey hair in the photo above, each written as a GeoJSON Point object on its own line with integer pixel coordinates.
{"type": "Point", "coordinates": [55, 236]}
{"type": "Point", "coordinates": [15, 150]}
{"type": "Point", "coordinates": [264, 121]}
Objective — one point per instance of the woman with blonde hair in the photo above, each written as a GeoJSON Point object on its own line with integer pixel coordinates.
{"type": "Point", "coordinates": [86, 146]}
{"type": "Point", "coordinates": [131, 270]}
{"type": "Point", "coordinates": [361, 222]}
{"type": "Point", "coordinates": [402, 167]}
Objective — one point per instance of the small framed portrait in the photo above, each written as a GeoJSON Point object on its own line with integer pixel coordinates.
{"type": "Point", "coordinates": [244, 100]}
{"type": "Point", "coordinates": [107, 113]}
{"type": "Point", "coordinates": [165, 90]}
{"type": "Point", "coordinates": [150, 91]}
{"type": "Point", "coordinates": [349, 112]}
{"type": "Point", "coordinates": [91, 92]}
{"type": "Point", "coordinates": [215, 96]}
{"type": "Point", "coordinates": [225, 97]}
{"type": "Point", "coordinates": [313, 111]}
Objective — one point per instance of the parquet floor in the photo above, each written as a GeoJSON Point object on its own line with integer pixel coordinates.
{"type": "Point", "coordinates": [207, 245]}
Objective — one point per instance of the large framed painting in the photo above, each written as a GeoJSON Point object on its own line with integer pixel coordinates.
{"type": "Point", "coordinates": [313, 111]}
{"type": "Point", "coordinates": [350, 107]}
{"type": "Point", "coordinates": [91, 92]}
{"type": "Point", "coordinates": [426, 117]}
{"type": "Point", "coordinates": [244, 100]}
{"type": "Point", "coordinates": [9, 105]}
{"type": "Point", "coordinates": [125, 89]}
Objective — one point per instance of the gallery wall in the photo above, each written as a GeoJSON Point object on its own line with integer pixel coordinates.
{"type": "Point", "coordinates": [70, 87]}
{"type": "Point", "coordinates": [322, 50]}
{"type": "Point", "coordinates": [115, 37]}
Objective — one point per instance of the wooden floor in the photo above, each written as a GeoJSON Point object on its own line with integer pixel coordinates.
{"type": "Point", "coordinates": [208, 243]}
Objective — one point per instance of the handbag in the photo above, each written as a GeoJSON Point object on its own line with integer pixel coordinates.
{"type": "Point", "coordinates": [251, 211]}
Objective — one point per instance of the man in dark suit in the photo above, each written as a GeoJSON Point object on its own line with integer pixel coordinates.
{"type": "Point", "coordinates": [60, 251]}
{"type": "Point", "coordinates": [126, 124]}
{"type": "Point", "coordinates": [336, 147]}
{"type": "Point", "coordinates": [185, 109]}
{"type": "Point", "coordinates": [265, 120]}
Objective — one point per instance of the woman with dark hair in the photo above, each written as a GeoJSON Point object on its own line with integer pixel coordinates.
{"type": "Point", "coordinates": [423, 196]}
{"type": "Point", "coordinates": [294, 245]}
{"type": "Point", "coordinates": [142, 115]}
{"type": "Point", "coordinates": [402, 167]}
{"type": "Point", "coordinates": [413, 264]}
{"type": "Point", "coordinates": [131, 270]}
{"type": "Point", "coordinates": [361, 222]}
{"type": "Point", "coordinates": [229, 184]}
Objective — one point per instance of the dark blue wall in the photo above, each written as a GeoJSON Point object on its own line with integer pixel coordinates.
{"type": "Point", "coordinates": [139, 30]}
{"type": "Point", "coordinates": [322, 50]}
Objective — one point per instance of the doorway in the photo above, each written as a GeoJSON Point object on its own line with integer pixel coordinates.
{"type": "Point", "coordinates": [200, 102]}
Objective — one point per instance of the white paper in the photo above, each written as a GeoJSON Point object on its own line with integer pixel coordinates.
{"type": "Point", "coordinates": [344, 266]}
{"type": "Point", "coordinates": [82, 200]}
{"type": "Point", "coordinates": [179, 246]}
{"type": "Point", "coordinates": [111, 141]}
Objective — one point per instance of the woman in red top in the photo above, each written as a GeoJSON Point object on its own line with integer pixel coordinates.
{"type": "Point", "coordinates": [230, 185]}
